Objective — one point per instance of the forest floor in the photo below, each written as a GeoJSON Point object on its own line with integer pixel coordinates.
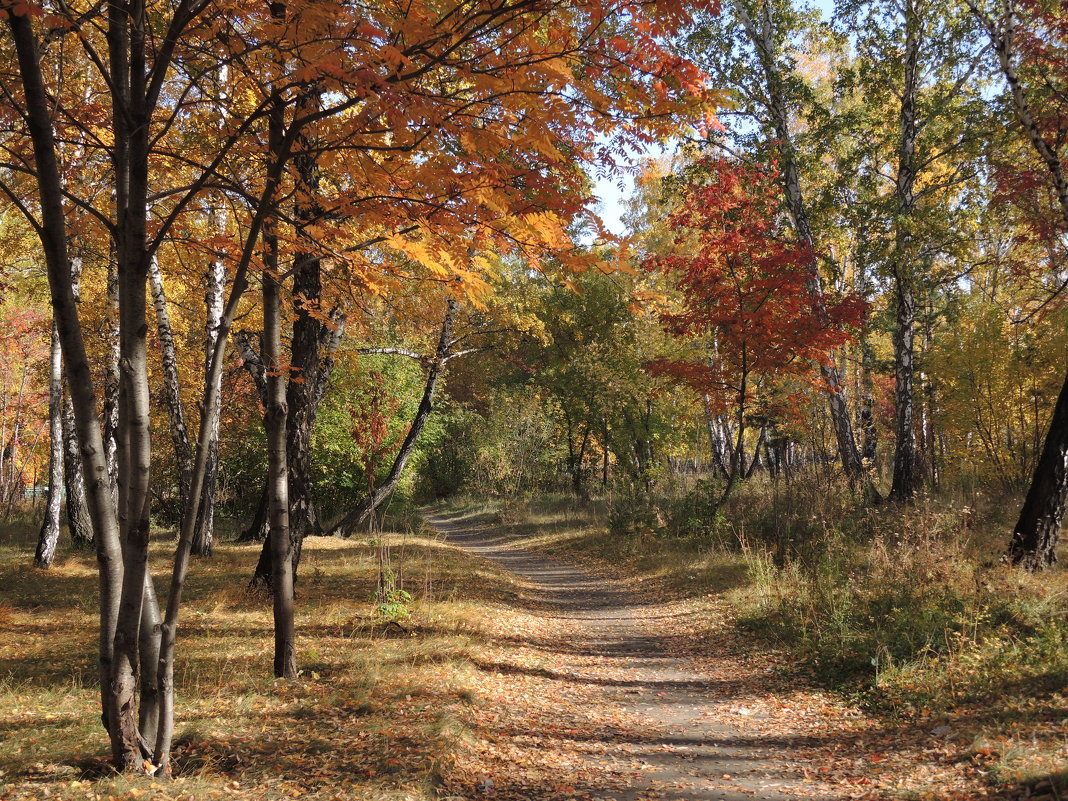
{"type": "Point", "coordinates": [520, 674]}
{"type": "Point", "coordinates": [603, 689]}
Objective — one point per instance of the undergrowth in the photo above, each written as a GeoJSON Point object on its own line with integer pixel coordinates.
{"type": "Point", "coordinates": [908, 610]}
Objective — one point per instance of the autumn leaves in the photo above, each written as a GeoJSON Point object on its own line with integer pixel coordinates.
{"type": "Point", "coordinates": [360, 147]}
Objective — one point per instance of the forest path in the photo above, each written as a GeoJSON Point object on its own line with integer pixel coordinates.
{"type": "Point", "coordinates": [590, 698]}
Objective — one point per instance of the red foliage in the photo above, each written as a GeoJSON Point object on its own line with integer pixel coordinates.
{"type": "Point", "coordinates": [1042, 44]}
{"type": "Point", "coordinates": [746, 285]}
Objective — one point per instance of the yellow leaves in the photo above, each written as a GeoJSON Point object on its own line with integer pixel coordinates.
{"type": "Point", "coordinates": [546, 229]}
{"type": "Point", "coordinates": [646, 301]}
{"type": "Point", "coordinates": [559, 68]}
{"type": "Point", "coordinates": [438, 261]}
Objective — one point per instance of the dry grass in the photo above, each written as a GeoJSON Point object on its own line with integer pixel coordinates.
{"type": "Point", "coordinates": [909, 612]}
{"type": "Point", "coordinates": [376, 713]}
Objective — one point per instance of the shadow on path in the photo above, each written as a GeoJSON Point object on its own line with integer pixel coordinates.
{"type": "Point", "coordinates": [680, 752]}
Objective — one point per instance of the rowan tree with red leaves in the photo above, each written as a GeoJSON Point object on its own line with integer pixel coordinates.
{"type": "Point", "coordinates": [746, 304]}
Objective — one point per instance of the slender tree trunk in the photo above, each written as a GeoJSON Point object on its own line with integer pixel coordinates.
{"type": "Point", "coordinates": [605, 452]}
{"type": "Point", "coordinates": [172, 385]}
{"type": "Point", "coordinates": [358, 516]}
{"type": "Point", "coordinates": [49, 536]}
{"type": "Point", "coordinates": [126, 35]}
{"type": "Point", "coordinates": [577, 475]}
{"type": "Point", "coordinates": [278, 475]}
{"type": "Point", "coordinates": [762, 35]}
{"type": "Point", "coordinates": [214, 307]}
{"type": "Point", "coordinates": [298, 443]}
{"type": "Point", "coordinates": [53, 237]}
{"type": "Point", "coordinates": [309, 337]}
{"type": "Point", "coordinates": [204, 534]}
{"type": "Point", "coordinates": [904, 484]}
{"type": "Point", "coordinates": [169, 626]}
{"type": "Point", "coordinates": [715, 439]}
{"type": "Point", "coordinates": [930, 432]}
{"type": "Point", "coordinates": [111, 378]}
{"type": "Point", "coordinates": [260, 526]}
{"type": "Point", "coordinates": [278, 498]}
{"type": "Point", "coordinates": [738, 448]}
{"type": "Point", "coordinates": [756, 464]}
{"type": "Point", "coordinates": [204, 530]}
{"type": "Point", "coordinates": [79, 522]}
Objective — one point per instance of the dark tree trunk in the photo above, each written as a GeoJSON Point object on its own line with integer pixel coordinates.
{"type": "Point", "coordinates": [274, 421]}
{"type": "Point", "coordinates": [298, 443]}
{"type": "Point", "coordinates": [756, 464]}
{"type": "Point", "coordinates": [126, 36]}
{"type": "Point", "coordinates": [260, 527]}
{"type": "Point", "coordinates": [309, 338]}
{"type": "Point", "coordinates": [358, 516]}
{"type": "Point", "coordinates": [605, 452]}
{"type": "Point", "coordinates": [577, 475]}
{"type": "Point", "coordinates": [1034, 539]}
{"type": "Point", "coordinates": [53, 236]}
{"type": "Point", "coordinates": [49, 535]}
{"type": "Point", "coordinates": [904, 485]}
{"type": "Point", "coordinates": [312, 347]}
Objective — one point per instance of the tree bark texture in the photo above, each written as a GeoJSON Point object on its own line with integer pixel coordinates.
{"type": "Point", "coordinates": [1034, 539]}
{"type": "Point", "coordinates": [79, 523]}
{"type": "Point", "coordinates": [48, 538]}
{"type": "Point", "coordinates": [111, 378]}
{"type": "Point", "coordinates": [298, 443]}
{"type": "Point", "coordinates": [904, 484]}
{"type": "Point", "coordinates": [53, 238]}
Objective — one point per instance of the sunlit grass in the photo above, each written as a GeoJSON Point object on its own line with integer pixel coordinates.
{"type": "Point", "coordinates": [376, 712]}
{"type": "Point", "coordinates": [908, 611]}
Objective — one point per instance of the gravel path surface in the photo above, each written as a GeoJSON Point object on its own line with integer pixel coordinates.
{"type": "Point", "coordinates": [660, 729]}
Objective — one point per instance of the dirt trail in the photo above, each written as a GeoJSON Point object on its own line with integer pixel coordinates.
{"type": "Point", "coordinates": [627, 718]}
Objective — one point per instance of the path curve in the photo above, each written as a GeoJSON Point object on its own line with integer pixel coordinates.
{"type": "Point", "coordinates": [697, 757]}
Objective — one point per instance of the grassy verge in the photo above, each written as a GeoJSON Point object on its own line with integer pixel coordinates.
{"type": "Point", "coordinates": [907, 611]}
{"type": "Point", "coordinates": [377, 712]}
